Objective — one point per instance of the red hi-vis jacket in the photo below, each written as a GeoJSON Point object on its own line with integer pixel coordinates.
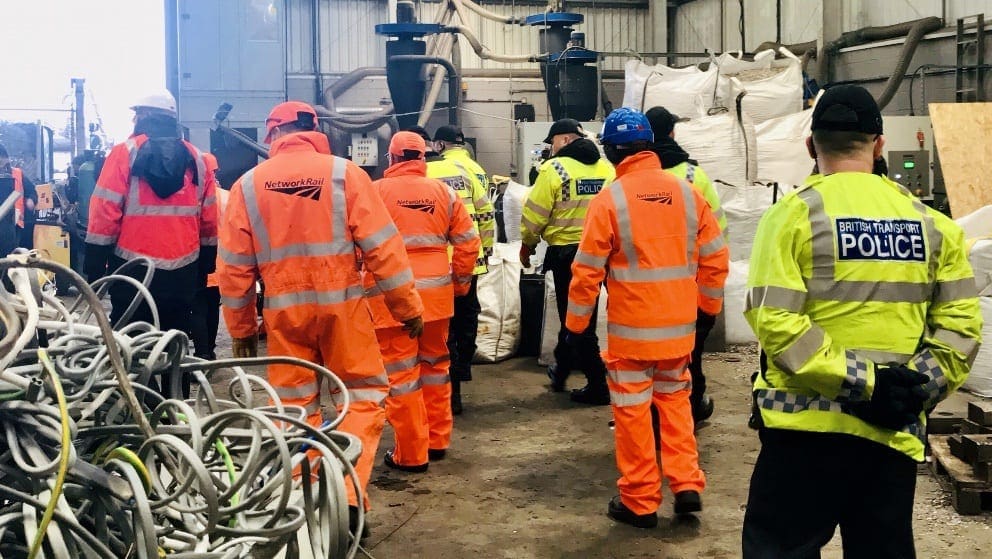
{"type": "Point", "coordinates": [430, 217]}
{"type": "Point", "coordinates": [125, 212]}
{"type": "Point", "coordinates": [664, 253]}
{"type": "Point", "coordinates": [295, 221]}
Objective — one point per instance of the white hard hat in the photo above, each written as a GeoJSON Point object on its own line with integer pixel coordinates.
{"type": "Point", "coordinates": [159, 100]}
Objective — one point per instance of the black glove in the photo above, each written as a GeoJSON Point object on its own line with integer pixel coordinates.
{"type": "Point", "coordinates": [572, 339]}
{"type": "Point", "coordinates": [704, 321]}
{"type": "Point", "coordinates": [898, 398]}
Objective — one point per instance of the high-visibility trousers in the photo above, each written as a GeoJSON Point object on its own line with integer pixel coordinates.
{"type": "Point", "coordinates": [419, 403]}
{"type": "Point", "coordinates": [338, 337]}
{"type": "Point", "coordinates": [634, 387]}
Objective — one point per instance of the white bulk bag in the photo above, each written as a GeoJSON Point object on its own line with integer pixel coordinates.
{"type": "Point", "coordinates": [743, 207]}
{"type": "Point", "coordinates": [636, 74]}
{"type": "Point", "coordinates": [738, 330]}
{"type": "Point", "coordinates": [722, 144]}
{"type": "Point", "coordinates": [685, 95]}
{"type": "Point", "coordinates": [733, 65]}
{"type": "Point", "coordinates": [980, 256]}
{"type": "Point", "coordinates": [782, 153]}
{"type": "Point", "coordinates": [777, 95]}
{"type": "Point", "coordinates": [977, 224]}
{"type": "Point", "coordinates": [499, 297]}
{"type": "Point", "coordinates": [514, 198]}
{"type": "Point", "coordinates": [979, 381]}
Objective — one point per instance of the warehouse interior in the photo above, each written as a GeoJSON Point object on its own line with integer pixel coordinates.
{"type": "Point", "coordinates": [96, 464]}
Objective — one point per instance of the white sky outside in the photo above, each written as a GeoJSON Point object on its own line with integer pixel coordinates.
{"type": "Point", "coordinates": [118, 46]}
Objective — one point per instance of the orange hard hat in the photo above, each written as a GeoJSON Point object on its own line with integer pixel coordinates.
{"type": "Point", "coordinates": [284, 113]}
{"type": "Point", "coordinates": [404, 142]}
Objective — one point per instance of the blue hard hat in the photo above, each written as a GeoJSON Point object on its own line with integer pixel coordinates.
{"type": "Point", "coordinates": [626, 126]}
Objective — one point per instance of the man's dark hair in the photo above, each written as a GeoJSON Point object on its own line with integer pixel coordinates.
{"type": "Point", "coordinates": [616, 154]}
{"type": "Point", "coordinates": [839, 143]}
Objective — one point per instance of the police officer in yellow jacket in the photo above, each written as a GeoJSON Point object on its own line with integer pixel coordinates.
{"type": "Point", "coordinates": [675, 160]}
{"type": "Point", "coordinates": [556, 210]}
{"type": "Point", "coordinates": [865, 304]}
{"type": "Point", "coordinates": [456, 168]}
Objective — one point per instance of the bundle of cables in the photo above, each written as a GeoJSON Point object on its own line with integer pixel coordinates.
{"type": "Point", "coordinates": [95, 463]}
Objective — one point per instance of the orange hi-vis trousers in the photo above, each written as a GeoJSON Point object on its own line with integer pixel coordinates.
{"type": "Point", "coordinates": [419, 403]}
{"type": "Point", "coordinates": [634, 387]}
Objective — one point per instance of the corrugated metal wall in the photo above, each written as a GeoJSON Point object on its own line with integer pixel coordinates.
{"type": "Point", "coordinates": [348, 41]}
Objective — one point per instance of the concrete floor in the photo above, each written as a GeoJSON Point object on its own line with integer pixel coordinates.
{"type": "Point", "coordinates": [529, 475]}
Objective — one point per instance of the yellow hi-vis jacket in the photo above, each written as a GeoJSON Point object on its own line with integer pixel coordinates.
{"type": "Point", "coordinates": [698, 178]}
{"type": "Point", "coordinates": [473, 195]}
{"type": "Point", "coordinates": [557, 203]}
{"type": "Point", "coordinates": [847, 272]}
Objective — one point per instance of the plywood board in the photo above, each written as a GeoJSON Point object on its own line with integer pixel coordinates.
{"type": "Point", "coordinates": [963, 134]}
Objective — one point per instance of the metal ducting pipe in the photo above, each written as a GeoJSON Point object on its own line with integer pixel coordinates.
{"type": "Point", "coordinates": [376, 118]}
{"type": "Point", "coordinates": [798, 49]}
{"type": "Point", "coordinates": [254, 146]}
{"type": "Point", "coordinates": [487, 14]}
{"type": "Point", "coordinates": [484, 52]}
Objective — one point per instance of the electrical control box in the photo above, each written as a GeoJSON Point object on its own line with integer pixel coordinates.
{"type": "Point", "coordinates": [530, 141]}
{"type": "Point", "coordinates": [365, 149]}
{"type": "Point", "coordinates": [909, 153]}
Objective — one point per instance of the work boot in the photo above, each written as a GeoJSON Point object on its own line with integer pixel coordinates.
{"type": "Point", "coordinates": [353, 523]}
{"type": "Point", "coordinates": [702, 409]}
{"type": "Point", "coordinates": [557, 381]}
{"type": "Point", "coordinates": [456, 397]}
{"type": "Point", "coordinates": [389, 462]}
{"type": "Point", "coordinates": [619, 512]}
{"type": "Point", "coordinates": [593, 395]}
{"type": "Point", "coordinates": [435, 454]}
{"type": "Point", "coordinates": [687, 502]}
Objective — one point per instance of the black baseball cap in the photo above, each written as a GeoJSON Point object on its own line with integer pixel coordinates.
{"type": "Point", "coordinates": [448, 133]}
{"type": "Point", "coordinates": [420, 131]}
{"type": "Point", "coordinates": [847, 108]}
{"type": "Point", "coordinates": [564, 126]}
{"type": "Point", "coordinates": [662, 121]}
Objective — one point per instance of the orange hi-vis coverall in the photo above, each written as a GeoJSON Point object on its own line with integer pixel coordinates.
{"type": "Point", "coordinates": [656, 242]}
{"type": "Point", "coordinates": [295, 221]}
{"type": "Point", "coordinates": [430, 216]}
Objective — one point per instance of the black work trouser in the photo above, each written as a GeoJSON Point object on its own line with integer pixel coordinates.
{"type": "Point", "coordinates": [806, 484]}
{"type": "Point", "coordinates": [703, 329]}
{"type": "Point", "coordinates": [173, 292]}
{"type": "Point", "coordinates": [584, 355]}
{"type": "Point", "coordinates": [462, 331]}
{"type": "Point", "coordinates": [204, 322]}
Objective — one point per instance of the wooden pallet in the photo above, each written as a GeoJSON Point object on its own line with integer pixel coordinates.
{"type": "Point", "coordinates": [970, 495]}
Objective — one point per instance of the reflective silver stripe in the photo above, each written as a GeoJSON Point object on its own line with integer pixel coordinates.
{"type": "Point", "coordinates": [711, 247]}
{"type": "Point", "coordinates": [378, 381]}
{"type": "Point", "coordinates": [258, 228]}
{"type": "Point", "coordinates": [962, 344]}
{"type": "Point", "coordinates": [333, 248]}
{"type": "Point", "coordinates": [824, 289]}
{"type": "Point", "coordinates": [628, 377]}
{"type": "Point", "coordinates": [394, 281]}
{"type": "Point", "coordinates": [590, 260]}
{"type": "Point", "coordinates": [822, 238]}
{"type": "Point", "coordinates": [234, 259]}
{"type": "Point", "coordinates": [160, 263]}
{"type": "Point", "coordinates": [209, 200]}
{"type": "Point", "coordinates": [367, 395]}
{"type": "Point", "coordinates": [622, 400]}
{"type": "Point", "coordinates": [882, 357]}
{"type": "Point", "coordinates": [947, 291]}
{"type": "Point", "coordinates": [108, 195]}
{"type": "Point", "coordinates": [462, 238]}
{"type": "Point", "coordinates": [201, 176]}
{"type": "Point", "coordinates": [313, 297]}
{"type": "Point", "coordinates": [132, 151]}
{"type": "Point", "coordinates": [424, 240]}
{"type": "Point", "coordinates": [777, 297]}
{"type": "Point", "coordinates": [401, 365]}
{"type": "Point", "coordinates": [376, 239]}
{"type": "Point", "coordinates": [534, 207]}
{"type": "Point", "coordinates": [481, 203]}
{"type": "Point", "coordinates": [434, 359]}
{"type": "Point", "coordinates": [339, 204]}
{"type": "Point", "coordinates": [405, 388]}
{"type": "Point", "coordinates": [189, 211]}
{"type": "Point", "coordinates": [691, 220]}
{"type": "Point", "coordinates": [298, 391]}
{"type": "Point", "coordinates": [648, 333]}
{"type": "Point", "coordinates": [463, 279]}
{"type": "Point", "coordinates": [668, 387]}
{"type": "Point", "coordinates": [927, 364]}
{"type": "Point", "coordinates": [800, 351]}
{"type": "Point", "coordinates": [720, 215]}
{"type": "Point", "coordinates": [670, 374]}
{"type": "Point", "coordinates": [855, 383]}
{"type": "Point", "coordinates": [208, 241]}
{"type": "Point", "coordinates": [573, 204]}
{"type": "Point", "coordinates": [712, 292]}
{"type": "Point", "coordinates": [935, 239]}
{"type": "Point", "coordinates": [579, 310]}
{"type": "Point", "coordinates": [531, 227]}
{"type": "Point", "coordinates": [98, 239]}
{"type": "Point", "coordinates": [239, 302]}
{"type": "Point", "coordinates": [567, 222]}
{"type": "Point", "coordinates": [436, 281]}
{"type": "Point", "coordinates": [780, 400]}
{"type": "Point", "coordinates": [562, 173]}
{"type": "Point", "coordinates": [435, 380]}
{"type": "Point", "coordinates": [623, 223]}
{"type": "Point", "coordinates": [650, 274]}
